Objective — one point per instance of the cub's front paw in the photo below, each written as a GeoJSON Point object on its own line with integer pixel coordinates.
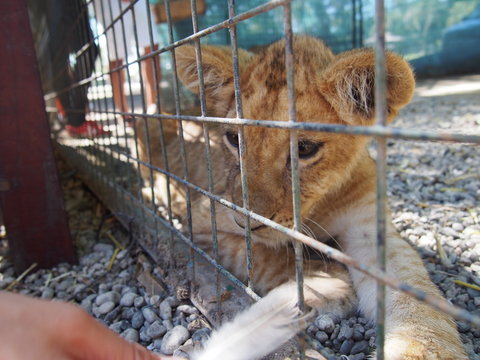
{"type": "Point", "coordinates": [407, 347]}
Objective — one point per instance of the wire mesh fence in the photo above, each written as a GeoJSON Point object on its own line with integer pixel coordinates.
{"type": "Point", "coordinates": [143, 161]}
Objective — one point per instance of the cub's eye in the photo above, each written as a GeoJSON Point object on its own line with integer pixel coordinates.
{"type": "Point", "coordinates": [307, 149]}
{"type": "Point", "coordinates": [232, 138]}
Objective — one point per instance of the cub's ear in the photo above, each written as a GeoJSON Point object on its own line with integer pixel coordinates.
{"type": "Point", "coordinates": [217, 74]}
{"type": "Point", "coordinates": [348, 84]}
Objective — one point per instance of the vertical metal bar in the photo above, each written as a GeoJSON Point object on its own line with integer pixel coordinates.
{"type": "Point", "coordinates": [117, 73]}
{"type": "Point", "coordinates": [381, 117]}
{"type": "Point", "coordinates": [163, 146]}
{"type": "Point", "coordinates": [144, 109]}
{"type": "Point", "coordinates": [102, 78]}
{"type": "Point", "coordinates": [354, 24]}
{"type": "Point", "coordinates": [144, 119]}
{"type": "Point", "coordinates": [129, 82]}
{"type": "Point", "coordinates": [95, 104]}
{"type": "Point", "coordinates": [121, 84]}
{"type": "Point", "coordinates": [292, 114]}
{"type": "Point", "coordinates": [241, 142]}
{"type": "Point", "coordinates": [360, 20]}
{"type": "Point", "coordinates": [183, 154]}
{"type": "Point", "coordinates": [206, 135]}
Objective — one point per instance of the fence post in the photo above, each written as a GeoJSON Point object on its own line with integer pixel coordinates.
{"type": "Point", "coordinates": [30, 195]}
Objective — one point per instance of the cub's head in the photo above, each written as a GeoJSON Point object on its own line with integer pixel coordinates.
{"type": "Point", "coordinates": [332, 89]}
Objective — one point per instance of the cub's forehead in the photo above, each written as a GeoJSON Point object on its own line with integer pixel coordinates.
{"type": "Point", "coordinates": [310, 55]}
{"type": "Point", "coordinates": [268, 68]}
{"type": "Point", "coordinates": [264, 84]}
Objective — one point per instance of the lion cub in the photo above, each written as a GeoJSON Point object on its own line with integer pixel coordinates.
{"type": "Point", "coordinates": [337, 190]}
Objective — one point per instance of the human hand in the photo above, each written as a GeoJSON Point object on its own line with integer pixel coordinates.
{"type": "Point", "coordinates": [50, 330]}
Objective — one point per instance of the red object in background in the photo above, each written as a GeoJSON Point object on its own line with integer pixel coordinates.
{"type": "Point", "coordinates": [31, 197]}
{"type": "Point", "coordinates": [87, 129]}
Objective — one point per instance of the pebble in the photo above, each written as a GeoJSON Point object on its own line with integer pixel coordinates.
{"type": "Point", "coordinates": [104, 308]}
{"type": "Point", "coordinates": [359, 347]}
{"type": "Point", "coordinates": [358, 331]}
{"type": "Point", "coordinates": [321, 336]}
{"type": "Point", "coordinates": [359, 356]}
{"type": "Point", "coordinates": [201, 335]}
{"type": "Point", "coordinates": [130, 335]}
{"type": "Point", "coordinates": [128, 299]}
{"type": "Point", "coordinates": [110, 296]}
{"type": "Point", "coordinates": [154, 300]}
{"type": "Point", "coordinates": [173, 339]}
{"type": "Point", "coordinates": [47, 293]}
{"type": "Point", "coordinates": [184, 351]}
{"type": "Point", "coordinates": [137, 320]}
{"type": "Point", "coordinates": [346, 346]}
{"type": "Point", "coordinates": [325, 323]}
{"type": "Point", "coordinates": [168, 324]}
{"type": "Point", "coordinates": [165, 310]}
{"type": "Point", "coordinates": [149, 315]}
{"type": "Point", "coordinates": [139, 301]}
{"type": "Point", "coordinates": [187, 309]}
{"type": "Point", "coordinates": [369, 333]}
{"type": "Point", "coordinates": [127, 313]}
{"type": "Point", "coordinates": [116, 327]}
{"type": "Point", "coordinates": [106, 249]}
{"type": "Point", "coordinates": [112, 315]}
{"type": "Point", "coordinates": [346, 332]}
{"type": "Point", "coordinates": [156, 329]}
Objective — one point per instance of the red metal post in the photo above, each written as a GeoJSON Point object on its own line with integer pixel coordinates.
{"type": "Point", "coordinates": [30, 193]}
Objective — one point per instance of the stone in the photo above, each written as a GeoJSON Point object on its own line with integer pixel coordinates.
{"type": "Point", "coordinates": [346, 332]}
{"type": "Point", "coordinates": [130, 335]}
{"type": "Point", "coordinates": [187, 309]}
{"type": "Point", "coordinates": [154, 300]}
{"type": "Point", "coordinates": [358, 331]}
{"type": "Point", "coordinates": [127, 313]}
{"type": "Point", "coordinates": [116, 327]}
{"type": "Point", "coordinates": [369, 333]}
{"type": "Point", "coordinates": [156, 330]}
{"type": "Point", "coordinates": [168, 324]}
{"type": "Point", "coordinates": [360, 356]}
{"type": "Point", "coordinates": [105, 308]}
{"type": "Point", "coordinates": [137, 320]}
{"type": "Point", "coordinates": [149, 315]}
{"type": "Point", "coordinates": [184, 351]}
{"type": "Point", "coordinates": [139, 301]}
{"type": "Point", "coordinates": [165, 310]}
{"type": "Point", "coordinates": [174, 339]}
{"type": "Point", "coordinates": [325, 323]}
{"type": "Point", "coordinates": [201, 335]}
{"type": "Point", "coordinates": [128, 299]}
{"type": "Point", "coordinates": [109, 296]}
{"type": "Point", "coordinates": [321, 336]}
{"type": "Point", "coordinates": [359, 347]}
{"type": "Point", "coordinates": [346, 346]}
{"type": "Point", "coordinates": [48, 293]}
{"type": "Point", "coordinates": [106, 249]}
{"type": "Point", "coordinates": [112, 315]}
{"type": "Point", "coordinates": [463, 327]}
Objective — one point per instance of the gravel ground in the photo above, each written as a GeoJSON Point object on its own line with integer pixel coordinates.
{"type": "Point", "coordinates": [433, 192]}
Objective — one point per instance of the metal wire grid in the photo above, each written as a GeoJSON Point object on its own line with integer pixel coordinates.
{"type": "Point", "coordinates": [380, 131]}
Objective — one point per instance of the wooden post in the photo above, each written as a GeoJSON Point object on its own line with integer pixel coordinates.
{"type": "Point", "coordinates": [30, 193]}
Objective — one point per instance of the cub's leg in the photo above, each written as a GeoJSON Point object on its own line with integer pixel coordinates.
{"type": "Point", "coordinates": [414, 330]}
{"type": "Point", "coordinates": [274, 319]}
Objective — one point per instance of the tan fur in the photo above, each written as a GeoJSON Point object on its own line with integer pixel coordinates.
{"type": "Point", "coordinates": [337, 183]}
